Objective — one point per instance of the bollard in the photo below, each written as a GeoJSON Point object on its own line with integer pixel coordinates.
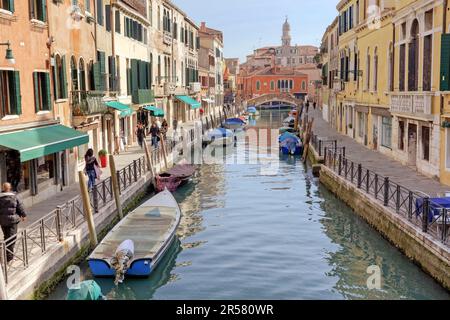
{"type": "Point", "coordinates": [3, 290]}
{"type": "Point", "coordinates": [115, 186]}
{"type": "Point", "coordinates": [87, 209]}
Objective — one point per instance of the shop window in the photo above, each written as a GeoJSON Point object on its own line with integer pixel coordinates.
{"type": "Point", "coordinates": [386, 132]}
{"type": "Point", "coordinates": [401, 135]}
{"type": "Point", "coordinates": [42, 100]}
{"type": "Point", "coordinates": [426, 143]}
{"type": "Point", "coordinates": [17, 173]}
{"type": "Point", "coordinates": [38, 10]}
{"type": "Point", "coordinates": [45, 169]}
{"type": "Point", "coordinates": [10, 97]}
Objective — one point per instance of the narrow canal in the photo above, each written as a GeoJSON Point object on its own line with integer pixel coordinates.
{"type": "Point", "coordinates": [245, 235]}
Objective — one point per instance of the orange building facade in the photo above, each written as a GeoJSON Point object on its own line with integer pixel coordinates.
{"type": "Point", "coordinates": [270, 81]}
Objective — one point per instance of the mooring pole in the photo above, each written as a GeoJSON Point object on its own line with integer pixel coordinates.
{"type": "Point", "coordinates": [163, 147]}
{"type": "Point", "coordinates": [87, 208]}
{"type": "Point", "coordinates": [149, 158]}
{"type": "Point", "coordinates": [3, 291]}
{"type": "Point", "coordinates": [115, 185]}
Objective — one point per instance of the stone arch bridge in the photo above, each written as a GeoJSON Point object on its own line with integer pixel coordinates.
{"type": "Point", "coordinates": [273, 97]}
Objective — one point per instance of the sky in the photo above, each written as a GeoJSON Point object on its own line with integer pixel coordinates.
{"type": "Point", "coordinates": [250, 24]}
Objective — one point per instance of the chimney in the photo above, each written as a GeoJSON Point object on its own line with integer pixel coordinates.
{"type": "Point", "coordinates": [203, 26]}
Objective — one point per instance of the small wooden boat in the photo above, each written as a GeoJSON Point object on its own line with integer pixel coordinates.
{"type": "Point", "coordinates": [253, 111]}
{"type": "Point", "coordinates": [219, 137]}
{"type": "Point", "coordinates": [289, 122]}
{"type": "Point", "coordinates": [151, 228]}
{"type": "Point", "coordinates": [290, 144]}
{"type": "Point", "coordinates": [286, 129]}
{"type": "Point", "coordinates": [175, 177]}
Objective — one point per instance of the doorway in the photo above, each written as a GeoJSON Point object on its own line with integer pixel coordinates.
{"type": "Point", "coordinates": [375, 133]}
{"type": "Point", "coordinates": [412, 144]}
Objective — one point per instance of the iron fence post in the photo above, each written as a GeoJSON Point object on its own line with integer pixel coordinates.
{"type": "Point", "coordinates": [335, 144]}
{"type": "Point", "coordinates": [118, 180]}
{"type": "Point", "coordinates": [135, 170]}
{"type": "Point", "coordinates": [397, 199]}
{"type": "Point", "coordinates": [386, 192]}
{"type": "Point", "coordinates": [334, 161]}
{"type": "Point", "coordinates": [352, 170]}
{"type": "Point", "coordinates": [104, 191]}
{"type": "Point", "coordinates": [376, 186]}
{"type": "Point", "coordinates": [425, 211]}
{"type": "Point", "coordinates": [58, 223]}
{"type": "Point", "coordinates": [343, 150]}
{"type": "Point", "coordinates": [320, 148]}
{"type": "Point", "coordinates": [24, 248]}
{"type": "Point", "coordinates": [95, 197]}
{"type": "Point", "coordinates": [410, 204]}
{"type": "Point", "coordinates": [345, 167]}
{"type": "Point", "coordinates": [359, 175]}
{"type": "Point", "coordinates": [340, 164]}
{"type": "Point", "coordinates": [367, 181]}
{"type": "Point", "coordinates": [444, 224]}
{"type": "Point", "coordinates": [42, 234]}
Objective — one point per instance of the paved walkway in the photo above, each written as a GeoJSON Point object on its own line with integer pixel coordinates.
{"type": "Point", "coordinates": [376, 161]}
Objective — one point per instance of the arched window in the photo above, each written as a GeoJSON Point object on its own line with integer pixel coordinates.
{"type": "Point", "coordinates": [375, 70]}
{"type": "Point", "coordinates": [272, 85]}
{"type": "Point", "coordinates": [59, 77]}
{"type": "Point", "coordinates": [151, 70]}
{"type": "Point", "coordinates": [303, 85]}
{"type": "Point", "coordinates": [91, 85]}
{"type": "Point", "coordinates": [258, 85]}
{"type": "Point", "coordinates": [159, 69]}
{"type": "Point", "coordinates": [413, 57]}
{"type": "Point", "coordinates": [427, 57]}
{"type": "Point", "coordinates": [74, 73]}
{"type": "Point", "coordinates": [82, 75]}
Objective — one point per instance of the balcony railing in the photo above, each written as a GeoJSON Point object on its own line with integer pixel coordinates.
{"type": "Point", "coordinates": [413, 103]}
{"type": "Point", "coordinates": [141, 96]}
{"type": "Point", "coordinates": [86, 103]}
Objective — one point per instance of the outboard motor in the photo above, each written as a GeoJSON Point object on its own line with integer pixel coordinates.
{"type": "Point", "coordinates": [122, 260]}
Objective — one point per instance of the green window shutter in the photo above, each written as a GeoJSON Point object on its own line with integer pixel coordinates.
{"type": "Point", "coordinates": [142, 75]}
{"type": "Point", "coordinates": [134, 75]}
{"type": "Point", "coordinates": [445, 62]}
{"type": "Point", "coordinates": [101, 59]}
{"type": "Point", "coordinates": [64, 78]}
{"type": "Point", "coordinates": [129, 81]}
{"type": "Point", "coordinates": [17, 95]}
{"type": "Point", "coordinates": [11, 5]}
{"type": "Point", "coordinates": [46, 90]}
{"type": "Point", "coordinates": [97, 77]}
{"type": "Point", "coordinates": [36, 91]}
{"type": "Point", "coordinates": [44, 10]}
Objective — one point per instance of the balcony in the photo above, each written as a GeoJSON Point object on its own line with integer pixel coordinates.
{"type": "Point", "coordinates": [141, 96]}
{"type": "Point", "coordinates": [412, 103]}
{"type": "Point", "coordinates": [167, 38]}
{"type": "Point", "coordinates": [85, 103]}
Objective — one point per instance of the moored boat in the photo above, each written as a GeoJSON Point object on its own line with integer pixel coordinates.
{"type": "Point", "coordinates": [252, 111]}
{"type": "Point", "coordinates": [175, 177]}
{"type": "Point", "coordinates": [219, 137]}
{"type": "Point", "coordinates": [290, 144]}
{"type": "Point", "coordinates": [145, 234]}
{"type": "Point", "coordinates": [234, 123]}
{"type": "Point", "coordinates": [289, 122]}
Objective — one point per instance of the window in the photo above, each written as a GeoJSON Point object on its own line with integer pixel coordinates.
{"type": "Point", "coordinates": [81, 76]}
{"type": "Point", "coordinates": [108, 17]}
{"type": "Point", "coordinates": [150, 12]}
{"type": "Point", "coordinates": [10, 97]}
{"type": "Point", "coordinates": [303, 85]}
{"type": "Point", "coordinates": [402, 68]}
{"type": "Point", "coordinates": [45, 168]}
{"type": "Point", "coordinates": [60, 78]}
{"type": "Point", "coordinates": [42, 100]}
{"type": "Point", "coordinates": [401, 135]}
{"type": "Point", "coordinates": [7, 5]}
{"type": "Point", "coordinates": [38, 10]}
{"type": "Point", "coordinates": [117, 21]}
{"type": "Point", "coordinates": [258, 85]}
{"type": "Point", "coordinates": [426, 143]}
{"type": "Point", "coordinates": [74, 74]}
{"type": "Point", "coordinates": [386, 132]}
{"type": "Point", "coordinates": [413, 57]}
{"type": "Point", "coordinates": [375, 71]}
{"type": "Point", "coordinates": [100, 12]}
{"type": "Point", "coordinates": [272, 85]}
{"type": "Point", "coordinates": [87, 5]}
{"type": "Point", "coordinates": [159, 18]}
{"type": "Point", "coordinates": [427, 55]}
{"type": "Point", "coordinates": [368, 71]}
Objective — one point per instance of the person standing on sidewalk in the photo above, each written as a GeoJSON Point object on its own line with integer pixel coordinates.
{"type": "Point", "coordinates": [90, 169]}
{"type": "Point", "coordinates": [140, 134]}
{"type": "Point", "coordinates": [11, 213]}
{"type": "Point", "coordinates": [154, 132]}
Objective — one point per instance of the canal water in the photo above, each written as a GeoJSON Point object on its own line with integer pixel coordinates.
{"type": "Point", "coordinates": [252, 235]}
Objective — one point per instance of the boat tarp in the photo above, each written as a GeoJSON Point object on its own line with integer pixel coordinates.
{"type": "Point", "coordinates": [87, 290]}
{"type": "Point", "coordinates": [182, 171]}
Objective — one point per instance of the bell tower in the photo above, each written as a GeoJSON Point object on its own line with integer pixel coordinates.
{"type": "Point", "coordinates": [286, 38]}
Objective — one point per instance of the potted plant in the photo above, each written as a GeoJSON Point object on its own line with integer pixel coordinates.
{"type": "Point", "coordinates": [102, 154]}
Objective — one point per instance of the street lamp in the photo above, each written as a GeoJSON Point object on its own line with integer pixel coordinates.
{"type": "Point", "coordinates": [9, 55]}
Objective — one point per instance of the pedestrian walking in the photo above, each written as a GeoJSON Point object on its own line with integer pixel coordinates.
{"type": "Point", "coordinates": [11, 213]}
{"type": "Point", "coordinates": [91, 168]}
{"type": "Point", "coordinates": [140, 134]}
{"type": "Point", "coordinates": [154, 132]}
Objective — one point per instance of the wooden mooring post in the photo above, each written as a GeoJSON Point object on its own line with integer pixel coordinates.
{"type": "Point", "coordinates": [148, 155]}
{"type": "Point", "coordinates": [115, 186]}
{"type": "Point", "coordinates": [87, 208]}
{"type": "Point", "coordinates": [3, 290]}
{"type": "Point", "coordinates": [163, 148]}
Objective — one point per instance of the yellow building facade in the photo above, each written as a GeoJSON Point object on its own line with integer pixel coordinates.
{"type": "Point", "coordinates": [389, 95]}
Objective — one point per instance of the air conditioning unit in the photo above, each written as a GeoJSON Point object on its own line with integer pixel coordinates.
{"type": "Point", "coordinates": [195, 87]}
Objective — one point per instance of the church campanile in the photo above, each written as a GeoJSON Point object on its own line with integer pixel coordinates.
{"type": "Point", "coordinates": [286, 38]}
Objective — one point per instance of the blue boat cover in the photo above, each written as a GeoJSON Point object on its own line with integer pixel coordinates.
{"type": "Point", "coordinates": [288, 135]}
{"type": "Point", "coordinates": [235, 121]}
{"type": "Point", "coordinates": [220, 133]}
{"type": "Point", "coordinates": [251, 109]}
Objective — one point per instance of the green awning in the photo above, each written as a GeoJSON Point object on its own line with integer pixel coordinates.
{"type": "Point", "coordinates": [39, 142]}
{"type": "Point", "coordinates": [125, 110]}
{"type": "Point", "coordinates": [154, 111]}
{"type": "Point", "coordinates": [188, 100]}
